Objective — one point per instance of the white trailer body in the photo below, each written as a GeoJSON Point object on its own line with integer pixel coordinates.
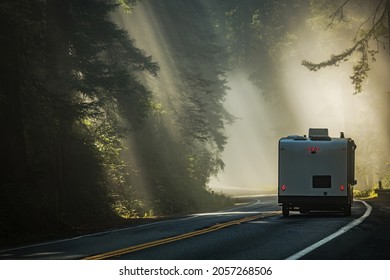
{"type": "Point", "coordinates": [316, 172]}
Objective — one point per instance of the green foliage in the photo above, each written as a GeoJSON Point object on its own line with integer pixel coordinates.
{"type": "Point", "coordinates": [74, 94]}
{"type": "Point", "coordinates": [128, 5]}
{"type": "Point", "coordinates": [180, 145]}
{"type": "Point", "coordinates": [71, 69]}
{"type": "Point", "coordinates": [364, 194]}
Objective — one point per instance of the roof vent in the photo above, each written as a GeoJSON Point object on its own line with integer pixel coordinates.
{"type": "Point", "coordinates": [319, 134]}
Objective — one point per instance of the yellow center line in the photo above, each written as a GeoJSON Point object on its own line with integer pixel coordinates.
{"type": "Point", "coordinates": [143, 246]}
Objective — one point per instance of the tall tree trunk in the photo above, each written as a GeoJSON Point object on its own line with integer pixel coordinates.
{"type": "Point", "coordinates": [57, 80]}
{"type": "Point", "coordinates": [12, 141]}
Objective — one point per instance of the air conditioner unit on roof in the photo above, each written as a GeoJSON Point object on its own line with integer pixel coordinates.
{"type": "Point", "coordinates": [318, 132]}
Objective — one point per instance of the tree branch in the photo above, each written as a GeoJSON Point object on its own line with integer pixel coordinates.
{"type": "Point", "coordinates": [361, 69]}
{"type": "Point", "coordinates": [336, 59]}
{"type": "Point", "coordinates": [339, 10]}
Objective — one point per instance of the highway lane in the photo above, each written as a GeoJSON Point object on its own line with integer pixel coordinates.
{"type": "Point", "coordinates": [273, 237]}
{"type": "Point", "coordinates": [267, 235]}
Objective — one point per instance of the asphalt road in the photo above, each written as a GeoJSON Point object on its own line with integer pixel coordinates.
{"type": "Point", "coordinates": [254, 230]}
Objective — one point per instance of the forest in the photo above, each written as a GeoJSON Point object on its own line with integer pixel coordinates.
{"type": "Point", "coordinates": [113, 110]}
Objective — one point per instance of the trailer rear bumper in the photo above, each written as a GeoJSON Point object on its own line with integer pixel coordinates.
{"type": "Point", "coordinates": [315, 202]}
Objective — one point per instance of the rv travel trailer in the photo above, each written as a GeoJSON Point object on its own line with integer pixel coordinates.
{"type": "Point", "coordinates": [316, 172]}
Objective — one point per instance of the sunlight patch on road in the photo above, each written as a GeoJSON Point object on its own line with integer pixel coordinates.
{"type": "Point", "coordinates": [229, 213]}
{"type": "Point", "coordinates": [260, 222]}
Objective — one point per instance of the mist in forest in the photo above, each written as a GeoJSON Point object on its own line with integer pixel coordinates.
{"type": "Point", "coordinates": [305, 99]}
{"type": "Point", "coordinates": [321, 99]}
{"type": "Point", "coordinates": [314, 99]}
{"type": "Point", "coordinates": [250, 154]}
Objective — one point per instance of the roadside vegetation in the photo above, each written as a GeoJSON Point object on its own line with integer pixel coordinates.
{"type": "Point", "coordinates": [383, 185]}
{"type": "Point", "coordinates": [364, 194]}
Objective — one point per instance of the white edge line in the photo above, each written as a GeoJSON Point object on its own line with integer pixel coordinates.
{"type": "Point", "coordinates": [81, 236]}
{"type": "Point", "coordinates": [341, 231]}
{"type": "Point", "coordinates": [9, 250]}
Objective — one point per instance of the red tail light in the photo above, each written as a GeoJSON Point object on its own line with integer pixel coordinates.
{"type": "Point", "coordinates": [342, 188]}
{"type": "Point", "coordinates": [283, 188]}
